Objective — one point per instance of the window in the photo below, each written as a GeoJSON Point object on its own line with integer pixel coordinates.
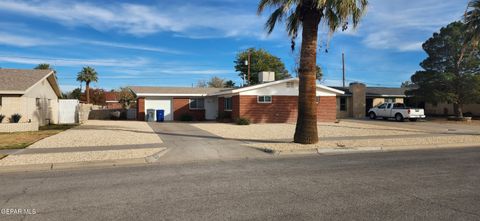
{"type": "Point", "coordinates": [343, 104]}
{"type": "Point", "coordinates": [227, 105]}
{"type": "Point", "coordinates": [197, 103]}
{"type": "Point", "coordinates": [264, 99]}
{"type": "Point", "coordinates": [290, 84]}
{"type": "Point", "coordinates": [389, 100]}
{"type": "Point", "coordinates": [37, 101]}
{"type": "Point", "coordinates": [382, 106]}
{"type": "Point", "coordinates": [389, 106]}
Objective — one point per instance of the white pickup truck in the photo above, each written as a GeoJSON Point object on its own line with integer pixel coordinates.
{"type": "Point", "coordinates": [396, 110]}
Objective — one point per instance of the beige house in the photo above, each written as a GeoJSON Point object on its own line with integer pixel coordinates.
{"type": "Point", "coordinates": [358, 99]}
{"type": "Point", "coordinates": [31, 93]}
{"type": "Point", "coordinates": [447, 109]}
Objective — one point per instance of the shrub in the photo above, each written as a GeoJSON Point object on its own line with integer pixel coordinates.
{"type": "Point", "coordinates": [1, 117]}
{"type": "Point", "coordinates": [15, 118]}
{"type": "Point", "coordinates": [186, 117]}
{"type": "Point", "coordinates": [243, 121]}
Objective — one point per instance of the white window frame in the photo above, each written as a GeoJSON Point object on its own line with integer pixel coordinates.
{"type": "Point", "coordinates": [196, 108]}
{"type": "Point", "coordinates": [225, 104]}
{"type": "Point", "coordinates": [264, 100]}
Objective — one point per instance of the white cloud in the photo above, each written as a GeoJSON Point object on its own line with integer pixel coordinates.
{"type": "Point", "coordinates": [22, 41]}
{"type": "Point", "coordinates": [188, 20]}
{"type": "Point", "coordinates": [72, 62]}
{"type": "Point", "coordinates": [403, 26]}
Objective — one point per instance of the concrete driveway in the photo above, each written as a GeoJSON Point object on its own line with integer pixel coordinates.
{"type": "Point", "coordinates": [188, 143]}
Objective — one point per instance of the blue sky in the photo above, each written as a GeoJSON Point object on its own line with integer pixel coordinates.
{"type": "Point", "coordinates": [177, 43]}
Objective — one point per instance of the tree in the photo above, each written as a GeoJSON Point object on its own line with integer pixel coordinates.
{"type": "Point", "coordinates": [229, 84]}
{"type": "Point", "coordinates": [216, 82]}
{"type": "Point", "coordinates": [306, 15]}
{"type": "Point", "coordinates": [472, 22]}
{"type": "Point", "coordinates": [87, 75]}
{"type": "Point", "coordinates": [444, 78]}
{"type": "Point", "coordinates": [260, 61]}
{"type": "Point", "coordinates": [202, 83]}
{"type": "Point", "coordinates": [75, 94]}
{"type": "Point", "coordinates": [43, 66]}
{"type": "Point", "coordinates": [319, 73]}
{"type": "Point", "coordinates": [126, 97]}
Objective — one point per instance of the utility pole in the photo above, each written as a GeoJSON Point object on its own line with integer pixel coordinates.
{"type": "Point", "coordinates": [248, 67]}
{"type": "Point", "coordinates": [343, 68]}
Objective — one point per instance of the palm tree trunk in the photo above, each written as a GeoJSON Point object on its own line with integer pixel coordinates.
{"type": "Point", "coordinates": [87, 91]}
{"type": "Point", "coordinates": [306, 128]}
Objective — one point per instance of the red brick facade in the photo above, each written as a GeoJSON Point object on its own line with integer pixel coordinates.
{"type": "Point", "coordinates": [181, 107]}
{"type": "Point", "coordinates": [282, 109]}
{"type": "Point", "coordinates": [141, 109]}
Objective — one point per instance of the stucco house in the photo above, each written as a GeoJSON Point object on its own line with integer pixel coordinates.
{"type": "Point", "coordinates": [31, 93]}
{"type": "Point", "coordinates": [267, 102]}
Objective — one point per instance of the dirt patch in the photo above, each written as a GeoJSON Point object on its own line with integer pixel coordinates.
{"type": "Point", "coordinates": [23, 139]}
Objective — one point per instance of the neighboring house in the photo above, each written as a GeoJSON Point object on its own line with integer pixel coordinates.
{"type": "Point", "coordinates": [271, 101]}
{"type": "Point", "coordinates": [31, 93]}
{"type": "Point", "coordinates": [112, 99]}
{"type": "Point", "coordinates": [358, 99]}
{"type": "Point", "coordinates": [448, 109]}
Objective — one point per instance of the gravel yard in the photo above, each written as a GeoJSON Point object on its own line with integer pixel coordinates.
{"type": "Point", "coordinates": [102, 133]}
{"type": "Point", "coordinates": [70, 157]}
{"type": "Point", "coordinates": [345, 134]}
{"type": "Point", "coordinates": [93, 134]}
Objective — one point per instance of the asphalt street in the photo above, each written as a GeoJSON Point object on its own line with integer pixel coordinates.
{"type": "Point", "coordinates": [408, 185]}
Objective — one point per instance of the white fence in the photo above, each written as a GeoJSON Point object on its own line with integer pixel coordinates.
{"type": "Point", "coordinates": [68, 111]}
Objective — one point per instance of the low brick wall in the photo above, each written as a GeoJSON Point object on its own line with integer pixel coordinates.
{"type": "Point", "coordinates": [18, 127]}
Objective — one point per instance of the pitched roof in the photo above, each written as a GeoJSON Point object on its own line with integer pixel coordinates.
{"type": "Point", "coordinates": [231, 91]}
{"type": "Point", "coordinates": [174, 90]}
{"type": "Point", "coordinates": [378, 91]}
{"type": "Point", "coordinates": [112, 96]}
{"type": "Point", "coordinates": [18, 81]}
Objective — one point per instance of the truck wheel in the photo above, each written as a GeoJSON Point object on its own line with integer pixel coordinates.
{"type": "Point", "coordinates": [399, 117]}
{"type": "Point", "coordinates": [372, 115]}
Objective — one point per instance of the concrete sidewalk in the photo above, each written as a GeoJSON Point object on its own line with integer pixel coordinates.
{"type": "Point", "coordinates": [189, 143]}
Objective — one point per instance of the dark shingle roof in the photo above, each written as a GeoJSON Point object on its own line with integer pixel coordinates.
{"type": "Point", "coordinates": [378, 91]}
{"type": "Point", "coordinates": [20, 79]}
{"type": "Point", "coordinates": [174, 90]}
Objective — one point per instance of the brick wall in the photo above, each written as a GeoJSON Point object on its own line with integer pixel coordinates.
{"type": "Point", "coordinates": [141, 109]}
{"type": "Point", "coordinates": [283, 109]}
{"type": "Point", "coordinates": [181, 107]}
{"type": "Point", "coordinates": [327, 109]}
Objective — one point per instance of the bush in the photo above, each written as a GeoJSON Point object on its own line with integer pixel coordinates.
{"type": "Point", "coordinates": [186, 117]}
{"type": "Point", "coordinates": [15, 118]}
{"type": "Point", "coordinates": [243, 121]}
{"type": "Point", "coordinates": [1, 117]}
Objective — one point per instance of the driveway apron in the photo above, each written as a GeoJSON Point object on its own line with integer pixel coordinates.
{"type": "Point", "coordinates": [189, 143]}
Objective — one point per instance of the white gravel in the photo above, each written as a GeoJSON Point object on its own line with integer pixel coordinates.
{"type": "Point", "coordinates": [77, 156]}
{"type": "Point", "coordinates": [93, 133]}
{"type": "Point", "coordinates": [102, 133]}
{"type": "Point", "coordinates": [346, 132]}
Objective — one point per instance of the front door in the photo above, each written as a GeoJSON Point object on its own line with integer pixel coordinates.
{"type": "Point", "coordinates": [211, 108]}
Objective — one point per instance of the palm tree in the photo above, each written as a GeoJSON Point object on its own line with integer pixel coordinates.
{"type": "Point", "coordinates": [87, 75]}
{"type": "Point", "coordinates": [307, 14]}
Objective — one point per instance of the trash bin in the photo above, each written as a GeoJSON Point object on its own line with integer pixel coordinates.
{"type": "Point", "coordinates": [160, 115]}
{"type": "Point", "coordinates": [150, 115]}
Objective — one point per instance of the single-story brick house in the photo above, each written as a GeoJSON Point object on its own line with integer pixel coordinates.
{"type": "Point", "coordinates": [272, 102]}
{"type": "Point", "coordinates": [31, 93]}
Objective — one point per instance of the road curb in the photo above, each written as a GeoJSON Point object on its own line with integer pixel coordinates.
{"type": "Point", "coordinates": [366, 149]}
{"type": "Point", "coordinates": [85, 164]}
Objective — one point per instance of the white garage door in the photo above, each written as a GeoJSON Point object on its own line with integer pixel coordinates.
{"type": "Point", "coordinates": [159, 104]}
